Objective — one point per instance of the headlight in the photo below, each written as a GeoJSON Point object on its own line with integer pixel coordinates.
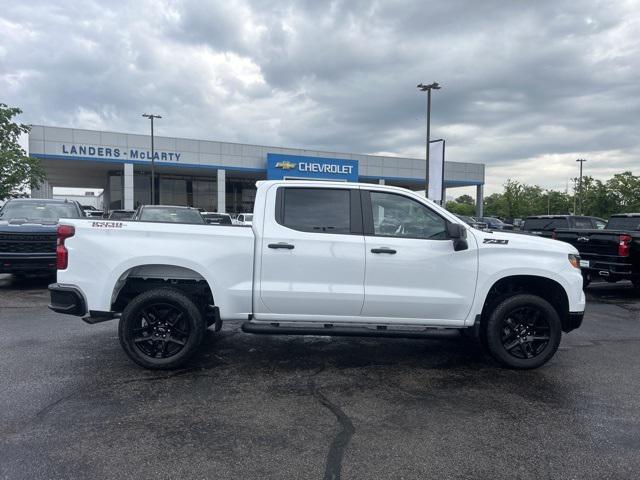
{"type": "Point", "coordinates": [574, 260]}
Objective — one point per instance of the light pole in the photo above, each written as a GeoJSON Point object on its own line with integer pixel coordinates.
{"type": "Point", "coordinates": [581, 160]}
{"type": "Point", "coordinates": [151, 116]}
{"type": "Point", "coordinates": [428, 88]}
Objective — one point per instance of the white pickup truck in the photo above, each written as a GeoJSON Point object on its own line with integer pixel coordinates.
{"type": "Point", "coordinates": [321, 258]}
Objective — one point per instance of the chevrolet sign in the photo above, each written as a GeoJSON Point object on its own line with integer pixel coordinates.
{"type": "Point", "coordinates": [324, 168]}
{"type": "Point", "coordinates": [280, 166]}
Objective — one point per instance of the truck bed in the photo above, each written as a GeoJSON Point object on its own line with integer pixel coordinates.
{"type": "Point", "coordinates": [223, 255]}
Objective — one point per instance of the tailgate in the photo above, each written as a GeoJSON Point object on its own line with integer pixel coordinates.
{"type": "Point", "coordinates": [591, 243]}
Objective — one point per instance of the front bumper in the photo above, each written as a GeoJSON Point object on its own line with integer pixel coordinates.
{"type": "Point", "coordinates": [67, 299]}
{"type": "Point", "coordinates": [27, 263]}
{"type": "Point", "coordinates": [574, 320]}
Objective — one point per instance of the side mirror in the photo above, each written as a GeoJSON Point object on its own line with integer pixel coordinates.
{"type": "Point", "coordinates": [458, 234]}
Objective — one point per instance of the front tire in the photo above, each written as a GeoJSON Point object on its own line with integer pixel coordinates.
{"type": "Point", "coordinates": [161, 329]}
{"type": "Point", "coordinates": [523, 332]}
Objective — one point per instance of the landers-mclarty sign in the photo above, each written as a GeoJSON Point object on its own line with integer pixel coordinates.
{"type": "Point", "coordinates": [121, 153]}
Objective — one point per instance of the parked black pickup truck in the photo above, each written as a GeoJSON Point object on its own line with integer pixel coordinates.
{"type": "Point", "coordinates": [28, 233]}
{"type": "Point", "coordinates": [613, 253]}
{"type": "Point", "coordinates": [544, 225]}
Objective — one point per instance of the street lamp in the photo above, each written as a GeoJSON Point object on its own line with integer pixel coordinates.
{"type": "Point", "coordinates": [428, 88]}
{"type": "Point", "coordinates": [151, 116]}
{"type": "Point", "coordinates": [581, 160]}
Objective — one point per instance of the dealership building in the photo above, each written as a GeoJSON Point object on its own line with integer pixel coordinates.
{"type": "Point", "coordinates": [216, 176]}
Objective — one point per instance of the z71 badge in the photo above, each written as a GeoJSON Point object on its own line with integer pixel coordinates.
{"type": "Point", "coordinates": [495, 241]}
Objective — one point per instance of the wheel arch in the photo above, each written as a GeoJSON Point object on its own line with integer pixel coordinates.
{"type": "Point", "coordinates": [544, 287]}
{"type": "Point", "coordinates": [142, 276]}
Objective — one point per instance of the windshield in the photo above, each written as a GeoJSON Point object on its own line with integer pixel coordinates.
{"type": "Point", "coordinates": [623, 223]}
{"type": "Point", "coordinates": [172, 215]}
{"type": "Point", "coordinates": [38, 211]}
{"type": "Point", "coordinates": [492, 220]}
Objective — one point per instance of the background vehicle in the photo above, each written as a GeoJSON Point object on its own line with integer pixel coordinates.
{"type": "Point", "coordinates": [215, 218]}
{"type": "Point", "coordinates": [168, 213]}
{"type": "Point", "coordinates": [28, 233]}
{"type": "Point", "coordinates": [321, 258]}
{"type": "Point", "coordinates": [244, 219]}
{"type": "Point", "coordinates": [516, 222]}
{"type": "Point", "coordinates": [495, 223]}
{"type": "Point", "coordinates": [91, 211]}
{"type": "Point", "coordinates": [544, 225]}
{"type": "Point", "coordinates": [121, 214]}
{"type": "Point", "coordinates": [472, 222]}
{"type": "Point", "coordinates": [612, 253]}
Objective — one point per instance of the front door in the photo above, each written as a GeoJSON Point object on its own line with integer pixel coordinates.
{"type": "Point", "coordinates": [312, 254]}
{"type": "Point", "coordinates": [412, 270]}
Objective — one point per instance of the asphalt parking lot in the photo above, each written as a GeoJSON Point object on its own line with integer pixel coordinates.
{"type": "Point", "coordinates": [73, 406]}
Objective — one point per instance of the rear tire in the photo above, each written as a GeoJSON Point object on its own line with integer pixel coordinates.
{"type": "Point", "coordinates": [523, 332]}
{"type": "Point", "coordinates": [161, 329]}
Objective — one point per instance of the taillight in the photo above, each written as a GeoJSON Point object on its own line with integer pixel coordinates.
{"type": "Point", "coordinates": [554, 235]}
{"type": "Point", "coordinates": [623, 246]}
{"type": "Point", "coordinates": [62, 255]}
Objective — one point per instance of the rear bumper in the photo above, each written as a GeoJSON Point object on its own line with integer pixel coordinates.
{"type": "Point", "coordinates": [27, 263]}
{"type": "Point", "coordinates": [67, 299]}
{"type": "Point", "coordinates": [609, 266]}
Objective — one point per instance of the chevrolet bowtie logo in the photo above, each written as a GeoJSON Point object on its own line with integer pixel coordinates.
{"type": "Point", "coordinates": [286, 165]}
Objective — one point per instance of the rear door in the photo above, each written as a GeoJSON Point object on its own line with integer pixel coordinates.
{"type": "Point", "coordinates": [412, 270]}
{"type": "Point", "coordinates": [312, 254]}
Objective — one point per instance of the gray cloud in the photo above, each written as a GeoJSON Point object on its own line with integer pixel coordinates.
{"type": "Point", "coordinates": [527, 86]}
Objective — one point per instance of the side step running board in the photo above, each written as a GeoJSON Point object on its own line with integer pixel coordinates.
{"type": "Point", "coordinates": [346, 331]}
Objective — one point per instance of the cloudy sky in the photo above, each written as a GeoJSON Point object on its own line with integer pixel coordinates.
{"type": "Point", "coordinates": [528, 87]}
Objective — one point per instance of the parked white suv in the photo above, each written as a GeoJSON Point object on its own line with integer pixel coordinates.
{"type": "Point", "coordinates": [321, 258]}
{"type": "Point", "coordinates": [244, 219]}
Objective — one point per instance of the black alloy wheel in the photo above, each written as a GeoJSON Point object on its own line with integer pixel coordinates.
{"type": "Point", "coordinates": [523, 331]}
{"type": "Point", "coordinates": [161, 328]}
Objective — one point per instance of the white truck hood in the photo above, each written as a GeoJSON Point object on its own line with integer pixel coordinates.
{"type": "Point", "coordinates": [521, 241]}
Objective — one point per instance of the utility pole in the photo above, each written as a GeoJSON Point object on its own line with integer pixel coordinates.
{"type": "Point", "coordinates": [151, 116]}
{"type": "Point", "coordinates": [581, 161]}
{"type": "Point", "coordinates": [428, 88]}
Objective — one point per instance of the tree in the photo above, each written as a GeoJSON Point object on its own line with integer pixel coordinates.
{"type": "Point", "coordinates": [17, 170]}
{"type": "Point", "coordinates": [465, 200]}
{"type": "Point", "coordinates": [625, 189]}
{"type": "Point", "coordinates": [463, 205]}
{"type": "Point", "coordinates": [597, 198]}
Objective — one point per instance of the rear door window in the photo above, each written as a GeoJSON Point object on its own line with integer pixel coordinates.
{"type": "Point", "coordinates": [583, 223]}
{"type": "Point", "coordinates": [318, 210]}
